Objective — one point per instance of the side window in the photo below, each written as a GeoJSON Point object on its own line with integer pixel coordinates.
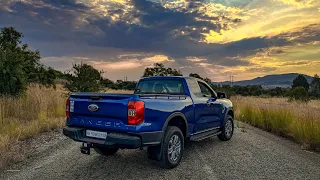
{"type": "Point", "coordinates": [205, 90]}
{"type": "Point", "coordinates": [194, 87]}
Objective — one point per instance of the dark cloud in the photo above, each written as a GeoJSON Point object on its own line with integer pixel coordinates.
{"type": "Point", "coordinates": [49, 20]}
{"type": "Point", "coordinates": [155, 15]}
{"type": "Point", "coordinates": [304, 35]}
{"type": "Point", "coordinates": [233, 62]}
{"type": "Point", "coordinates": [255, 43]}
{"type": "Point", "coordinates": [66, 4]}
{"type": "Point", "coordinates": [158, 27]}
{"type": "Point", "coordinates": [261, 69]}
{"type": "Point", "coordinates": [159, 30]}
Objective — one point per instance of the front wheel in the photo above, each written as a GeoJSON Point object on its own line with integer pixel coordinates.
{"type": "Point", "coordinates": [172, 147]}
{"type": "Point", "coordinates": [227, 129]}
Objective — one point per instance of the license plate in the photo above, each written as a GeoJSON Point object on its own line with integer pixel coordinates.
{"type": "Point", "coordinates": [96, 134]}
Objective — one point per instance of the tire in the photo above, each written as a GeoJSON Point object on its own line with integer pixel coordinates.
{"type": "Point", "coordinates": [173, 138]}
{"type": "Point", "coordinates": [227, 129]}
{"type": "Point", "coordinates": [106, 151]}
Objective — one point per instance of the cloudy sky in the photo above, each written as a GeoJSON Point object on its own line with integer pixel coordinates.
{"type": "Point", "coordinates": [215, 38]}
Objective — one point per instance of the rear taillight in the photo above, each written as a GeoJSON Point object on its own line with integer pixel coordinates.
{"type": "Point", "coordinates": [135, 112]}
{"type": "Point", "coordinates": [68, 108]}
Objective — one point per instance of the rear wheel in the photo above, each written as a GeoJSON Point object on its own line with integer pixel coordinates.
{"type": "Point", "coordinates": [106, 151]}
{"type": "Point", "coordinates": [227, 129]}
{"type": "Point", "coordinates": [172, 147]}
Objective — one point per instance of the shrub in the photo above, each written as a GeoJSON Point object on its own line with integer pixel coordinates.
{"type": "Point", "coordinates": [20, 66]}
{"type": "Point", "coordinates": [84, 78]}
{"type": "Point", "coordinates": [298, 94]}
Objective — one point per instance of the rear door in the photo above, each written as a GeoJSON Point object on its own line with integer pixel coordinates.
{"type": "Point", "coordinates": [206, 108]}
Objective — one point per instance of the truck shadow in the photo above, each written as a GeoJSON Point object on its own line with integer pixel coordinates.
{"type": "Point", "coordinates": [134, 164]}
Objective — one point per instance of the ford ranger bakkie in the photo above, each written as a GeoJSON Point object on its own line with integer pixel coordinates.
{"type": "Point", "coordinates": [160, 115]}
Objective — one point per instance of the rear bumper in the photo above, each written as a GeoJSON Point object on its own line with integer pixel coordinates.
{"type": "Point", "coordinates": [115, 139]}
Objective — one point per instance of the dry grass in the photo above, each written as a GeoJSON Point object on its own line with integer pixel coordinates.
{"type": "Point", "coordinates": [299, 121]}
{"type": "Point", "coordinates": [39, 110]}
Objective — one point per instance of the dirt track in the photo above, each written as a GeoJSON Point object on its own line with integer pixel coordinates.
{"type": "Point", "coordinates": [251, 154]}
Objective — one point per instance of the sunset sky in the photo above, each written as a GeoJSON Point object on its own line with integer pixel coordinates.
{"type": "Point", "coordinates": [214, 38]}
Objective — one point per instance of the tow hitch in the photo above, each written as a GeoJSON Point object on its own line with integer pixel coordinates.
{"type": "Point", "coordinates": [85, 148]}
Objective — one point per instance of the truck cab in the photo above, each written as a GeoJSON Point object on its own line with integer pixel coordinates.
{"type": "Point", "coordinates": [161, 114]}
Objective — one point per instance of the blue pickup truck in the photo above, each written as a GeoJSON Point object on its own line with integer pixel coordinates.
{"type": "Point", "coordinates": [162, 114]}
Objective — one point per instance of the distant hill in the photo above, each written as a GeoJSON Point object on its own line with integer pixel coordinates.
{"type": "Point", "coordinates": [269, 81]}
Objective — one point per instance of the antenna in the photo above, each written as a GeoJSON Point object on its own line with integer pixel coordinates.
{"type": "Point", "coordinates": [231, 80]}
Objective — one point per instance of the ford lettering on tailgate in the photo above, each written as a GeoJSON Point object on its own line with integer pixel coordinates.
{"type": "Point", "coordinates": [102, 123]}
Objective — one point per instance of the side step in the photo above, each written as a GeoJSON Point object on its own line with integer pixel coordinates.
{"type": "Point", "coordinates": [204, 135]}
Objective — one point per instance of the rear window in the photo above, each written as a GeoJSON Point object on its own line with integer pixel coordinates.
{"type": "Point", "coordinates": [194, 87]}
{"type": "Point", "coordinates": [160, 86]}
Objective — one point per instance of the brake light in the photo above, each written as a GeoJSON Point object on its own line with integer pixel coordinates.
{"type": "Point", "coordinates": [135, 112]}
{"type": "Point", "coordinates": [68, 108]}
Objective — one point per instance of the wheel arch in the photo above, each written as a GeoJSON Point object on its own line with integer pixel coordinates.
{"type": "Point", "coordinates": [180, 118]}
{"type": "Point", "coordinates": [230, 112]}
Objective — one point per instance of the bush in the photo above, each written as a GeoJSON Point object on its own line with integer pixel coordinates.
{"type": "Point", "coordinates": [12, 75]}
{"type": "Point", "coordinates": [160, 70]}
{"type": "Point", "coordinates": [84, 78]}
{"type": "Point", "coordinates": [20, 66]}
{"type": "Point", "coordinates": [298, 94]}
{"type": "Point", "coordinates": [300, 80]}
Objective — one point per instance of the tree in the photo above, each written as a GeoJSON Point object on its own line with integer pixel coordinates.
{"type": "Point", "coordinates": [315, 86]}
{"type": "Point", "coordinates": [19, 65]}
{"type": "Point", "coordinates": [160, 70]}
{"type": "Point", "coordinates": [278, 91]}
{"type": "Point", "coordinates": [84, 78]}
{"type": "Point", "coordinates": [10, 38]}
{"type": "Point", "coordinates": [46, 76]}
{"type": "Point", "coordinates": [300, 80]}
{"type": "Point", "coordinates": [195, 75]}
{"type": "Point", "coordinates": [298, 94]}
{"type": "Point", "coordinates": [207, 80]}
{"type": "Point", "coordinates": [107, 83]}
{"type": "Point", "coordinates": [12, 75]}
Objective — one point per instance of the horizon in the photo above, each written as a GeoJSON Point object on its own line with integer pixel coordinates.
{"type": "Point", "coordinates": [213, 38]}
{"type": "Point", "coordinates": [234, 80]}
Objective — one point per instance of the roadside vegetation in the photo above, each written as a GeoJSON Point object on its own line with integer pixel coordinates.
{"type": "Point", "coordinates": [39, 110]}
{"type": "Point", "coordinates": [295, 120]}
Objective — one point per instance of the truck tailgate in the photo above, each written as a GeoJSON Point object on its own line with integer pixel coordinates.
{"type": "Point", "coordinates": [99, 110]}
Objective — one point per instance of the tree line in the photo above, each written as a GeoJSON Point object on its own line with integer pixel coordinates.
{"type": "Point", "coordinates": [20, 66]}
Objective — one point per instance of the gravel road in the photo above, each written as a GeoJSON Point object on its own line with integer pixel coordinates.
{"type": "Point", "coordinates": [251, 154]}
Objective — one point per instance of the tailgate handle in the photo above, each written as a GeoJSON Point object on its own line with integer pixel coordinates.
{"type": "Point", "coordinates": [95, 97]}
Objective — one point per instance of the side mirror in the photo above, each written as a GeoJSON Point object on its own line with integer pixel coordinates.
{"type": "Point", "coordinates": [221, 95]}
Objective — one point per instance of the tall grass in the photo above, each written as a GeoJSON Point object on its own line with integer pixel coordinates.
{"type": "Point", "coordinates": [299, 121]}
{"type": "Point", "coordinates": [39, 110]}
